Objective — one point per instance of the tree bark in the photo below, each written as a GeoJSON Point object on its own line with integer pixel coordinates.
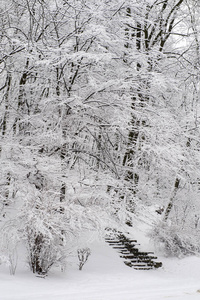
{"type": "Point", "coordinates": [171, 201]}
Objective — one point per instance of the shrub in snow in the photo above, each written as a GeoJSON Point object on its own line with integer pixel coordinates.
{"type": "Point", "coordinates": [43, 234]}
{"type": "Point", "coordinates": [8, 246]}
{"type": "Point", "coordinates": [44, 251]}
{"type": "Point", "coordinates": [83, 255]}
{"type": "Point", "coordinates": [10, 260]}
{"type": "Point", "coordinates": [174, 241]}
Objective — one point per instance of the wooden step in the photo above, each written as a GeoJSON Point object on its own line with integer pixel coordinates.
{"type": "Point", "coordinates": [142, 269]}
{"type": "Point", "coordinates": [128, 256]}
{"type": "Point", "coordinates": [139, 265]}
{"type": "Point", "coordinates": [119, 247]}
{"type": "Point", "coordinates": [129, 246]}
{"type": "Point", "coordinates": [126, 240]}
{"type": "Point", "coordinates": [134, 252]}
{"type": "Point", "coordinates": [112, 241]}
{"type": "Point", "coordinates": [124, 252]}
{"type": "Point", "coordinates": [143, 257]}
{"type": "Point", "coordinates": [141, 254]}
{"type": "Point", "coordinates": [115, 242]}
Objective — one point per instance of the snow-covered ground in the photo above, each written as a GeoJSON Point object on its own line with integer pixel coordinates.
{"type": "Point", "coordinates": [105, 277]}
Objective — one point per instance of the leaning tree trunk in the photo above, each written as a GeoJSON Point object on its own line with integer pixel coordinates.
{"type": "Point", "coordinates": [171, 201]}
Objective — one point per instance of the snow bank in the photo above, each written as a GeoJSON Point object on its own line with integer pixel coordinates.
{"type": "Point", "coordinates": [105, 277]}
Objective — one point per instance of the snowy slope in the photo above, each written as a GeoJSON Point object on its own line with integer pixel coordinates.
{"type": "Point", "coordinates": [105, 277]}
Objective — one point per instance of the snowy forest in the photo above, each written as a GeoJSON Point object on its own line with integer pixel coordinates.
{"type": "Point", "coordinates": [99, 125]}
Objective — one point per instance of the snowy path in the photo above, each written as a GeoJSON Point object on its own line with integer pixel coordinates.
{"type": "Point", "coordinates": [105, 277]}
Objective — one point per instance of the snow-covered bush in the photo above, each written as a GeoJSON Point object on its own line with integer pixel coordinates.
{"type": "Point", "coordinates": [44, 252]}
{"type": "Point", "coordinates": [83, 255]}
{"type": "Point", "coordinates": [9, 240]}
{"type": "Point", "coordinates": [174, 241]}
{"type": "Point", "coordinates": [10, 261]}
{"type": "Point", "coordinates": [43, 232]}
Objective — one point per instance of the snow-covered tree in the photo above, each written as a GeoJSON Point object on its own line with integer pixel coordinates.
{"type": "Point", "coordinates": [96, 98]}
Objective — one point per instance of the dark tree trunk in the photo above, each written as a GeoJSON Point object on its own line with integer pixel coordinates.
{"type": "Point", "coordinates": [6, 97]}
{"type": "Point", "coordinates": [36, 263]}
{"type": "Point", "coordinates": [171, 201]}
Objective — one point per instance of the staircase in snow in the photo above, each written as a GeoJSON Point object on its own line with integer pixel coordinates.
{"type": "Point", "coordinates": [132, 256]}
